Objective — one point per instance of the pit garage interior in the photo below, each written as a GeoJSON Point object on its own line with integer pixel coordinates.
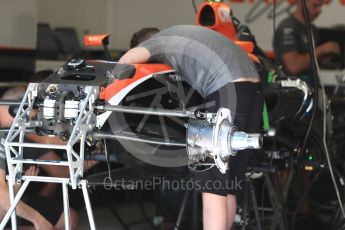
{"type": "Point", "coordinates": [92, 142]}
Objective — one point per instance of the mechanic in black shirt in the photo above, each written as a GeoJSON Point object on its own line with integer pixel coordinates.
{"type": "Point", "coordinates": [291, 42]}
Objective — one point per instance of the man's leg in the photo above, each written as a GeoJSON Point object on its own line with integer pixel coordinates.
{"type": "Point", "coordinates": [74, 218]}
{"type": "Point", "coordinates": [49, 189]}
{"type": "Point", "coordinates": [52, 170]}
{"type": "Point", "coordinates": [215, 213]}
{"type": "Point", "coordinates": [232, 208]}
{"type": "Point", "coordinates": [61, 171]}
{"type": "Point", "coordinates": [2, 214]}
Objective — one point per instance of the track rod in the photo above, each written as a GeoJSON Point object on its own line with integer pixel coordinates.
{"type": "Point", "coordinates": [137, 138]}
{"type": "Point", "coordinates": [141, 110]}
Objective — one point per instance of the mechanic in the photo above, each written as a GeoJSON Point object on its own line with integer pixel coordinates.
{"type": "Point", "coordinates": [290, 42]}
{"type": "Point", "coordinates": [223, 74]}
{"type": "Point", "coordinates": [38, 211]}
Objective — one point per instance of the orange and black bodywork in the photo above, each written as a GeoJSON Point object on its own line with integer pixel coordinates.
{"type": "Point", "coordinates": [141, 73]}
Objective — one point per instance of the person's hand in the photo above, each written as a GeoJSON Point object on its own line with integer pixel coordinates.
{"type": "Point", "coordinates": [31, 171]}
{"type": "Point", "coordinates": [328, 48]}
{"type": "Point", "coordinates": [43, 224]}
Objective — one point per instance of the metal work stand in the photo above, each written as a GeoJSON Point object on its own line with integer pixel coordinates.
{"type": "Point", "coordinates": [250, 191]}
{"type": "Point", "coordinates": [182, 209]}
{"type": "Point", "coordinates": [15, 144]}
{"type": "Point", "coordinates": [189, 194]}
{"type": "Point", "coordinates": [278, 220]}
